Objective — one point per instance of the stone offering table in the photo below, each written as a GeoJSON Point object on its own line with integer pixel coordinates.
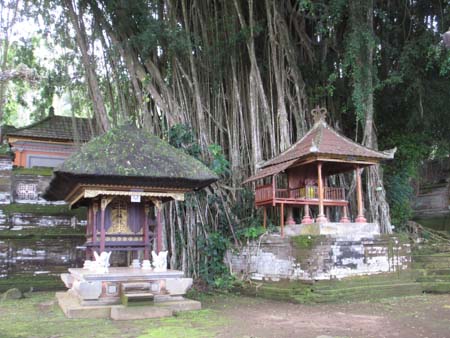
{"type": "Point", "coordinates": [93, 295]}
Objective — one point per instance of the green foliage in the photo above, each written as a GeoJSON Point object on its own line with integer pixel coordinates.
{"type": "Point", "coordinates": [213, 269]}
{"type": "Point", "coordinates": [399, 174]}
{"type": "Point", "coordinates": [360, 41]}
{"type": "Point", "coordinates": [181, 136]}
{"type": "Point", "coordinates": [219, 164]}
{"type": "Point", "coordinates": [251, 233]}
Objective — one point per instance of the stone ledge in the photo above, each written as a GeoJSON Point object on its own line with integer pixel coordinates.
{"type": "Point", "coordinates": [72, 308]}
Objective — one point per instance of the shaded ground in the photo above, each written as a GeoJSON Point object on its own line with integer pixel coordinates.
{"type": "Point", "coordinates": [234, 316]}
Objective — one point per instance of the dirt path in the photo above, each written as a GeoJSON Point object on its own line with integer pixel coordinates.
{"type": "Point", "coordinates": [423, 316]}
{"type": "Point", "coordinates": [231, 316]}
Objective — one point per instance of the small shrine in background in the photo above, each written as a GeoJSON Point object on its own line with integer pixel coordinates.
{"type": "Point", "coordinates": [48, 142]}
{"type": "Point", "coordinates": [298, 178]}
{"type": "Point", "coordinates": [123, 177]}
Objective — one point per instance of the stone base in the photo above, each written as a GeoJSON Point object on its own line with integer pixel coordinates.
{"type": "Point", "coordinates": [293, 230]}
{"type": "Point", "coordinates": [72, 308]}
{"type": "Point", "coordinates": [348, 230]}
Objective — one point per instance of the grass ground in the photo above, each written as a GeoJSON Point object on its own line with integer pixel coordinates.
{"type": "Point", "coordinates": [28, 319]}
{"type": "Point", "coordinates": [239, 316]}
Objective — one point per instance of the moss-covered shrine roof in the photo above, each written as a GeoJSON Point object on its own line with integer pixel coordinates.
{"type": "Point", "coordinates": [55, 127]}
{"type": "Point", "coordinates": [128, 156]}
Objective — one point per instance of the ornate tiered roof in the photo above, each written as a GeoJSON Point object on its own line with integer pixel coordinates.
{"type": "Point", "coordinates": [324, 143]}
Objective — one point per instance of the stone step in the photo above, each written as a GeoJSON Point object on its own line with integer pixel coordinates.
{"type": "Point", "coordinates": [364, 293]}
{"type": "Point", "coordinates": [324, 293]}
{"type": "Point", "coordinates": [139, 298]}
{"type": "Point", "coordinates": [436, 287]}
{"type": "Point", "coordinates": [431, 265]}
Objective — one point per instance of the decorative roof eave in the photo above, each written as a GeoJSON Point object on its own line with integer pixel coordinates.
{"type": "Point", "coordinates": [319, 157]}
{"type": "Point", "coordinates": [66, 185]}
{"type": "Point", "coordinates": [21, 139]}
{"type": "Point", "coordinates": [89, 192]}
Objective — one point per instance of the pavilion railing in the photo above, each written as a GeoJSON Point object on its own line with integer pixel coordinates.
{"type": "Point", "coordinates": [264, 193]}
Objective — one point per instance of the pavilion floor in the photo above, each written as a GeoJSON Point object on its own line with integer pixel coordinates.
{"type": "Point", "coordinates": [299, 201]}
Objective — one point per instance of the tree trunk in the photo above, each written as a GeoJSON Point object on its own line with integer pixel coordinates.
{"type": "Point", "coordinates": [91, 76]}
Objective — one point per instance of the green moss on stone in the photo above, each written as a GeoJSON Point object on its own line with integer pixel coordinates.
{"type": "Point", "coordinates": [33, 171]}
{"type": "Point", "coordinates": [306, 241]}
{"type": "Point", "coordinates": [45, 210]}
{"type": "Point", "coordinates": [41, 232]}
{"type": "Point", "coordinates": [36, 283]}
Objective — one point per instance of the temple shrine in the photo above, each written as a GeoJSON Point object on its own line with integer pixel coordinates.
{"type": "Point", "coordinates": [123, 177]}
{"type": "Point", "coordinates": [298, 178]}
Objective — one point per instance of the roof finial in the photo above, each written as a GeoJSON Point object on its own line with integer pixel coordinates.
{"type": "Point", "coordinates": [319, 114]}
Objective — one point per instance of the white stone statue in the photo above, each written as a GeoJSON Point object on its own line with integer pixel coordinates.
{"type": "Point", "coordinates": [159, 261]}
{"type": "Point", "coordinates": [101, 262]}
{"type": "Point", "coordinates": [146, 265]}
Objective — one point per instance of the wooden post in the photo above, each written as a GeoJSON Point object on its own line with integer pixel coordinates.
{"type": "Point", "coordinates": [103, 204]}
{"type": "Point", "coordinates": [273, 190]}
{"type": "Point", "coordinates": [290, 216]}
{"type": "Point", "coordinates": [94, 222]}
{"type": "Point", "coordinates": [344, 218]}
{"type": "Point", "coordinates": [306, 217]}
{"type": "Point", "coordinates": [265, 217]}
{"type": "Point", "coordinates": [102, 229]}
{"type": "Point", "coordinates": [282, 219]}
{"type": "Point", "coordinates": [360, 217]}
{"type": "Point", "coordinates": [158, 206]}
{"type": "Point", "coordinates": [89, 227]}
{"type": "Point", "coordinates": [146, 239]}
{"type": "Point", "coordinates": [321, 216]}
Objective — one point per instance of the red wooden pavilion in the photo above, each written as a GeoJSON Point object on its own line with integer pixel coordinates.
{"type": "Point", "coordinates": [296, 177]}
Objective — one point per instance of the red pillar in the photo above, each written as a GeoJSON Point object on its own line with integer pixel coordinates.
{"type": "Point", "coordinates": [290, 216]}
{"type": "Point", "coordinates": [273, 190]}
{"type": "Point", "coordinates": [265, 217]}
{"type": "Point", "coordinates": [102, 230]}
{"type": "Point", "coordinates": [360, 218]}
{"type": "Point", "coordinates": [321, 217]}
{"type": "Point", "coordinates": [94, 222]}
{"type": "Point", "coordinates": [344, 218]}
{"type": "Point", "coordinates": [89, 229]}
{"type": "Point", "coordinates": [158, 229]}
{"type": "Point", "coordinates": [282, 219]}
{"type": "Point", "coordinates": [146, 240]}
{"type": "Point", "coordinates": [306, 218]}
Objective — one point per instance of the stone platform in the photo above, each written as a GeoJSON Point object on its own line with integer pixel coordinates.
{"type": "Point", "coordinates": [319, 257]}
{"type": "Point", "coordinates": [124, 293]}
{"type": "Point", "coordinates": [73, 308]}
{"type": "Point", "coordinates": [336, 230]}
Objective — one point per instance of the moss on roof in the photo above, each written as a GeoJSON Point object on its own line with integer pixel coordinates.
{"type": "Point", "coordinates": [127, 155]}
{"type": "Point", "coordinates": [129, 151]}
